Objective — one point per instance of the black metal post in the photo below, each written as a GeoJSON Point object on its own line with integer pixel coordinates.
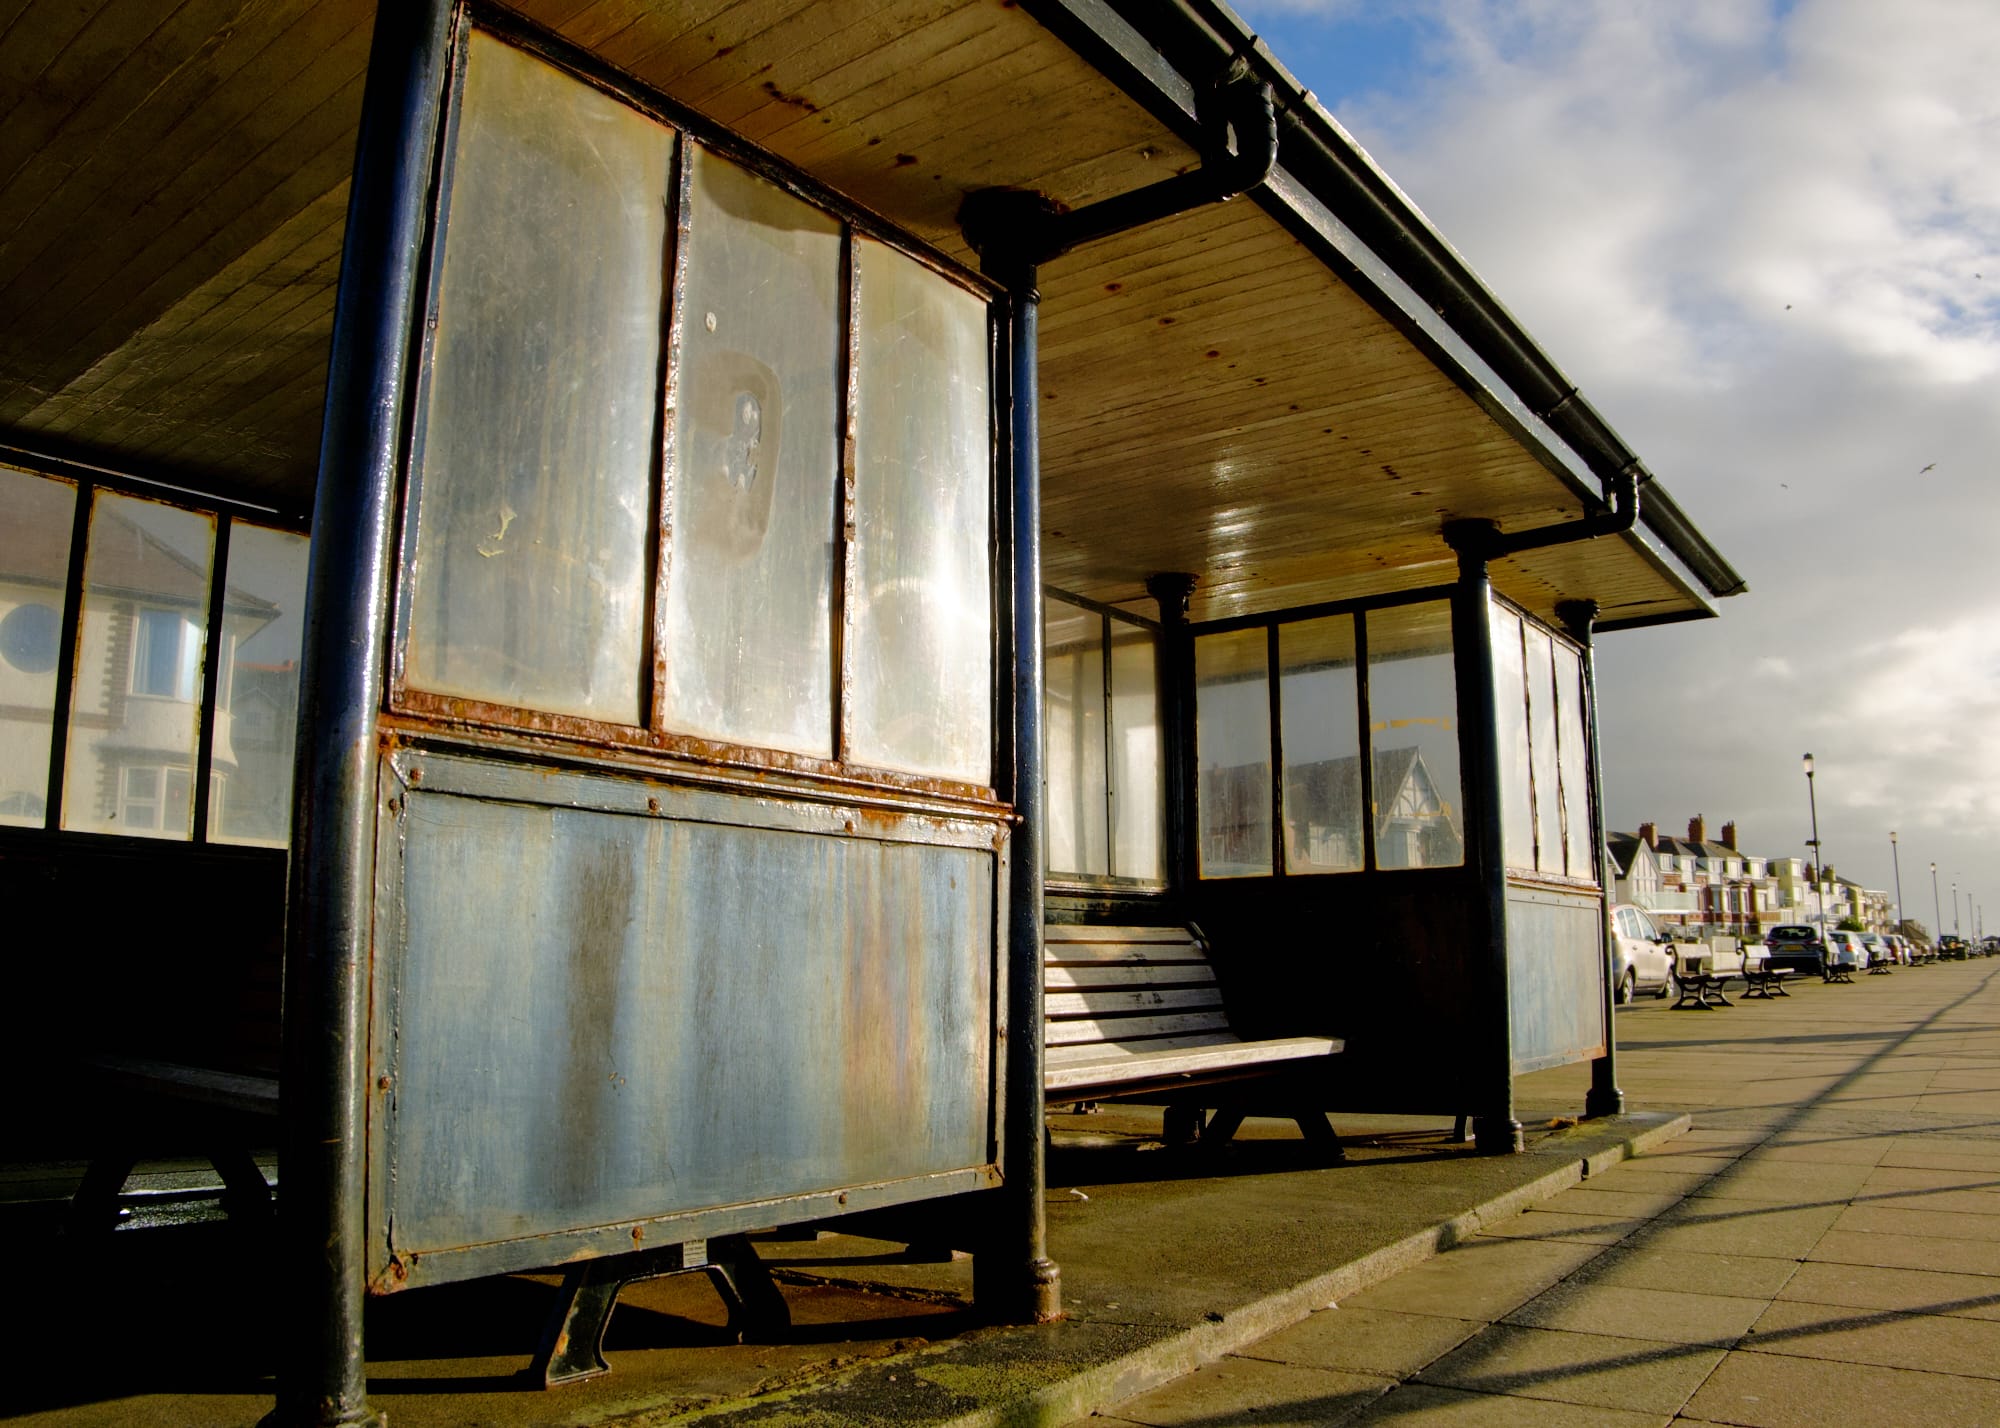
{"type": "Point", "coordinates": [1172, 590]}
{"type": "Point", "coordinates": [1495, 1130]}
{"type": "Point", "coordinates": [1025, 1286]}
{"type": "Point", "coordinates": [1819, 854]}
{"type": "Point", "coordinates": [323, 1379]}
{"type": "Point", "coordinates": [1937, 909]}
{"type": "Point", "coordinates": [1604, 1098]}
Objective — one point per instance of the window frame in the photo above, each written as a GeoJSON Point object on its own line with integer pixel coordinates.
{"type": "Point", "coordinates": [1112, 878]}
{"type": "Point", "coordinates": [408, 706]}
{"type": "Point", "coordinates": [1273, 675]}
{"type": "Point", "coordinates": [1566, 807]}
{"type": "Point", "coordinates": [86, 483]}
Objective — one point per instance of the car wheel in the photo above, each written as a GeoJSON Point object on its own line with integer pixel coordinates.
{"type": "Point", "coordinates": [1672, 983]}
{"type": "Point", "coordinates": [1625, 984]}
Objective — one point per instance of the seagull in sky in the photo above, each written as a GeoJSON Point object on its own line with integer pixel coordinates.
{"type": "Point", "coordinates": [1927, 468]}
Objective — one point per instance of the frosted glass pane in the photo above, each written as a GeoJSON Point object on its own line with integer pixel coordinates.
{"type": "Point", "coordinates": [1542, 748]}
{"type": "Point", "coordinates": [36, 515]}
{"type": "Point", "coordinates": [540, 426]}
{"type": "Point", "coordinates": [1073, 705]}
{"type": "Point", "coordinates": [921, 639]}
{"type": "Point", "coordinates": [257, 707]}
{"type": "Point", "coordinates": [1510, 713]}
{"type": "Point", "coordinates": [1413, 733]}
{"type": "Point", "coordinates": [756, 478]}
{"type": "Point", "coordinates": [1573, 740]}
{"type": "Point", "coordinates": [135, 705]}
{"type": "Point", "coordinates": [1322, 727]}
{"type": "Point", "coordinates": [1233, 753]}
{"type": "Point", "coordinates": [1137, 789]}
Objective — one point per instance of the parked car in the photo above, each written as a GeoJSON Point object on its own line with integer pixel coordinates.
{"type": "Point", "coordinates": [1795, 947]}
{"type": "Point", "coordinates": [1881, 950]}
{"type": "Point", "coordinates": [1951, 948]}
{"type": "Point", "coordinates": [1990, 945]}
{"type": "Point", "coordinates": [1905, 950]}
{"type": "Point", "coordinates": [1644, 960]}
{"type": "Point", "coordinates": [1845, 952]}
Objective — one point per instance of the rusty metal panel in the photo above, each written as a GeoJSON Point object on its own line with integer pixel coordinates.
{"type": "Point", "coordinates": [607, 1002]}
{"type": "Point", "coordinates": [1555, 975]}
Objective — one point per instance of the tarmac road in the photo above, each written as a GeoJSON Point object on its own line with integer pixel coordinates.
{"type": "Point", "coordinates": [1822, 1248]}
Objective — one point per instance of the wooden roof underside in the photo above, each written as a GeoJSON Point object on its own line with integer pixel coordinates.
{"type": "Point", "coordinates": [173, 184]}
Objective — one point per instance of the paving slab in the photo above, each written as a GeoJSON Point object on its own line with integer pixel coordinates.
{"type": "Point", "coordinates": [1739, 1276]}
{"type": "Point", "coordinates": [1600, 1370]}
{"type": "Point", "coordinates": [1423, 1405]}
{"type": "Point", "coordinates": [1483, 1278]}
{"type": "Point", "coordinates": [1757, 1390]}
{"type": "Point", "coordinates": [1887, 1337]}
{"type": "Point", "coordinates": [1677, 1316]}
{"type": "Point", "coordinates": [1281, 1394]}
{"type": "Point", "coordinates": [1916, 1291]}
{"type": "Point", "coordinates": [1362, 1340]}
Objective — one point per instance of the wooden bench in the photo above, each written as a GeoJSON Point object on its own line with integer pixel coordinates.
{"type": "Point", "coordinates": [1134, 1013]}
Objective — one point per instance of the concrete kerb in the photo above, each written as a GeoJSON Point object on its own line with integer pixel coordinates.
{"type": "Point", "coordinates": [1082, 1389]}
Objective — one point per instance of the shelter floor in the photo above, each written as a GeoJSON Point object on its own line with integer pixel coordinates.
{"type": "Point", "coordinates": [170, 1319]}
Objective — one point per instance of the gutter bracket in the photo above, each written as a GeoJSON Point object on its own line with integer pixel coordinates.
{"type": "Point", "coordinates": [1239, 148]}
{"type": "Point", "coordinates": [1485, 541]}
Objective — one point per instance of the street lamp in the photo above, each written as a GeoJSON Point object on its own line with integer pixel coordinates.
{"type": "Point", "coordinates": [1937, 908]}
{"type": "Point", "coordinates": [1954, 906]}
{"type": "Point", "coordinates": [1898, 862]}
{"type": "Point", "coordinates": [1819, 862]}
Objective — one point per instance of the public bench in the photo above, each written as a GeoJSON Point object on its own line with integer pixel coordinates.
{"type": "Point", "coordinates": [1135, 1013]}
{"type": "Point", "coordinates": [1762, 981]}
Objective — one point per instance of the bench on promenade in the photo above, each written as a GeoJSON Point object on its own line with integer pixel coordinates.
{"type": "Point", "coordinates": [1135, 1013]}
{"type": "Point", "coordinates": [1763, 981]}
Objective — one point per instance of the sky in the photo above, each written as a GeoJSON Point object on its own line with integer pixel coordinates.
{"type": "Point", "coordinates": [1764, 240]}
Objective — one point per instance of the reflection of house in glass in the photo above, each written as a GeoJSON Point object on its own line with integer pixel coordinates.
{"type": "Point", "coordinates": [131, 741]}
{"type": "Point", "coordinates": [1415, 824]}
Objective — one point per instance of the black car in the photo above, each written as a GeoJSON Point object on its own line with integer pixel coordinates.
{"type": "Point", "coordinates": [1951, 949]}
{"type": "Point", "coordinates": [1795, 947]}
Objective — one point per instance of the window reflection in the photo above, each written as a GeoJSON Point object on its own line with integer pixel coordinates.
{"type": "Point", "coordinates": [1233, 753]}
{"type": "Point", "coordinates": [36, 515]}
{"type": "Point", "coordinates": [1413, 736]}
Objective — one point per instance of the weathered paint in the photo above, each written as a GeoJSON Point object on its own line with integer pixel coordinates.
{"type": "Point", "coordinates": [603, 1002]}
{"type": "Point", "coordinates": [1555, 982]}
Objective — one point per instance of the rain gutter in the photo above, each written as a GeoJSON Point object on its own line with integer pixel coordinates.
{"type": "Point", "coordinates": [1149, 47]}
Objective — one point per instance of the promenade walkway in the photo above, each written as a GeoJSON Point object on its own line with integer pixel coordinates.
{"type": "Point", "coordinates": [1821, 1250]}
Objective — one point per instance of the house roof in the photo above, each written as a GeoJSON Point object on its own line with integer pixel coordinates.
{"type": "Point", "coordinates": [1287, 395]}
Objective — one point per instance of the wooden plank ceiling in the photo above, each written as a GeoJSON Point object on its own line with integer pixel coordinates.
{"type": "Point", "coordinates": [173, 185]}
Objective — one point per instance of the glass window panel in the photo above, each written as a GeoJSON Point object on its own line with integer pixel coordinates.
{"type": "Point", "coordinates": [921, 638]}
{"type": "Point", "coordinates": [1321, 721]}
{"type": "Point", "coordinates": [1542, 750]}
{"type": "Point", "coordinates": [135, 704]}
{"type": "Point", "coordinates": [257, 703]}
{"type": "Point", "coordinates": [1073, 697]}
{"type": "Point", "coordinates": [1413, 737]}
{"type": "Point", "coordinates": [1137, 791]}
{"type": "Point", "coordinates": [1510, 713]}
{"type": "Point", "coordinates": [1233, 753]}
{"type": "Point", "coordinates": [36, 515]}
{"type": "Point", "coordinates": [1573, 738]}
{"type": "Point", "coordinates": [536, 454]}
{"type": "Point", "coordinates": [756, 471]}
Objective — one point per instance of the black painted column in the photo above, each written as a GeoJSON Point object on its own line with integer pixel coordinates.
{"type": "Point", "coordinates": [1604, 1097]}
{"type": "Point", "coordinates": [323, 1374]}
{"type": "Point", "coordinates": [1172, 591]}
{"type": "Point", "coordinates": [1025, 1285]}
{"type": "Point", "coordinates": [1495, 1129]}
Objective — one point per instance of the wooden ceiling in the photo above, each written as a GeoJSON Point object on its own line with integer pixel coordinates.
{"type": "Point", "coordinates": [173, 189]}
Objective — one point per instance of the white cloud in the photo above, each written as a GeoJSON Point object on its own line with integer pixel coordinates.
{"type": "Point", "coordinates": [1765, 242]}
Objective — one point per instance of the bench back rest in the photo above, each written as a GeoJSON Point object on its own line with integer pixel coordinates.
{"type": "Point", "coordinates": [1146, 988]}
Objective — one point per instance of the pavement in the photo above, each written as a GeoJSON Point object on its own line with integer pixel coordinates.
{"type": "Point", "coordinates": [1797, 1222]}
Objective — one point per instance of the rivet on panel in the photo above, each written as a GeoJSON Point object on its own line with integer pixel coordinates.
{"type": "Point", "coordinates": [652, 805]}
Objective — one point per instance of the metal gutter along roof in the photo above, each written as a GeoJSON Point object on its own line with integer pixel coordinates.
{"type": "Point", "coordinates": [1156, 49]}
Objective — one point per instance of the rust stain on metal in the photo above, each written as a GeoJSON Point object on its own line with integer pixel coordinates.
{"type": "Point", "coordinates": [652, 805]}
{"type": "Point", "coordinates": [416, 774]}
{"type": "Point", "coordinates": [638, 1233]}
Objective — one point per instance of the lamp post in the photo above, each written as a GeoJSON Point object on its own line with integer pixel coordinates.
{"type": "Point", "coordinates": [1954, 907]}
{"type": "Point", "coordinates": [1898, 864]}
{"type": "Point", "coordinates": [1819, 862]}
{"type": "Point", "coordinates": [1937, 908]}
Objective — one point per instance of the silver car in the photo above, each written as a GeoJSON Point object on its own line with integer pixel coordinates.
{"type": "Point", "coordinates": [1644, 961]}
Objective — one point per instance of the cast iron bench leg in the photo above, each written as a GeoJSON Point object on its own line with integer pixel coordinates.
{"type": "Point", "coordinates": [93, 1209]}
{"type": "Point", "coordinates": [572, 1347]}
{"type": "Point", "coordinates": [1319, 1133]}
{"type": "Point", "coordinates": [1184, 1125]}
{"type": "Point", "coordinates": [246, 1195]}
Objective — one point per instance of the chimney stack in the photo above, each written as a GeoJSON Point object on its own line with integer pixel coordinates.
{"type": "Point", "coordinates": [1649, 834]}
{"type": "Point", "coordinates": [1729, 837]}
{"type": "Point", "coordinates": [1697, 830]}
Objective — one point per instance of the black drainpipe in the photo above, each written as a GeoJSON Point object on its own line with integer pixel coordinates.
{"type": "Point", "coordinates": [1015, 231]}
{"type": "Point", "coordinates": [1478, 543]}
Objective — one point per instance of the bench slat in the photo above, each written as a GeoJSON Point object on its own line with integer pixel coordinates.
{"type": "Point", "coordinates": [1147, 954]}
{"type": "Point", "coordinates": [1116, 934]}
{"type": "Point", "coordinates": [1104, 1051]}
{"type": "Point", "coordinates": [1116, 1003]}
{"type": "Point", "coordinates": [1124, 1066]}
{"type": "Point", "coordinates": [1191, 974]}
{"type": "Point", "coordinates": [1069, 1033]}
